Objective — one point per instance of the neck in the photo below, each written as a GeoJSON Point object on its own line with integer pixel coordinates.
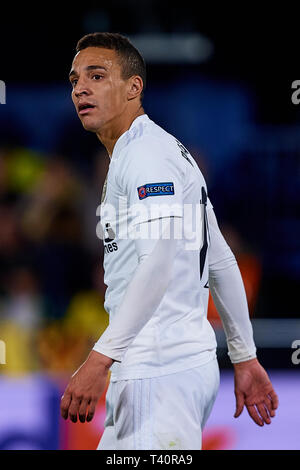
{"type": "Point", "coordinates": [109, 135]}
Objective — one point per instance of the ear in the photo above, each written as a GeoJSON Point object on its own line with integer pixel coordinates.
{"type": "Point", "coordinates": [135, 87]}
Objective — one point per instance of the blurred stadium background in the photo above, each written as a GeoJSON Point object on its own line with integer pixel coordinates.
{"type": "Point", "coordinates": [224, 89]}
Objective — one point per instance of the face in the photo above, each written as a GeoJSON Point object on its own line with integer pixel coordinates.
{"type": "Point", "coordinates": [98, 91]}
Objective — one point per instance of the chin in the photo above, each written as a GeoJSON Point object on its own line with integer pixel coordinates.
{"type": "Point", "coordinates": [91, 123]}
{"type": "Point", "coordinates": [90, 126]}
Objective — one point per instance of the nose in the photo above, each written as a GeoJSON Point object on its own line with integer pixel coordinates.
{"type": "Point", "coordinates": [81, 89]}
{"type": "Point", "coordinates": [79, 93]}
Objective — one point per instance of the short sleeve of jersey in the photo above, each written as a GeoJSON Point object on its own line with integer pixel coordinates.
{"type": "Point", "coordinates": [152, 177]}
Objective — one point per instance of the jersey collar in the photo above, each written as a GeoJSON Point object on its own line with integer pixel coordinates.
{"type": "Point", "coordinates": [122, 140]}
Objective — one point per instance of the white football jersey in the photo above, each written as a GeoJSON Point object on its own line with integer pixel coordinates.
{"type": "Point", "coordinates": [152, 175]}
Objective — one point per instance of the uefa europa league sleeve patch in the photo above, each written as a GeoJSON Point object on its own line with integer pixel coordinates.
{"type": "Point", "coordinates": [155, 189]}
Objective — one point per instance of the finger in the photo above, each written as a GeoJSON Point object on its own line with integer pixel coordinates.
{"type": "Point", "coordinates": [263, 413]}
{"type": "Point", "coordinates": [268, 405]}
{"type": "Point", "coordinates": [82, 410]}
{"type": "Point", "coordinates": [92, 409]}
{"type": "Point", "coordinates": [64, 404]}
{"type": "Point", "coordinates": [254, 415]}
{"type": "Point", "coordinates": [73, 409]}
{"type": "Point", "coordinates": [274, 398]}
{"type": "Point", "coordinates": [239, 404]}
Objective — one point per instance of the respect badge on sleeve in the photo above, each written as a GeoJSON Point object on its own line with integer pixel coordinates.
{"type": "Point", "coordinates": [156, 189]}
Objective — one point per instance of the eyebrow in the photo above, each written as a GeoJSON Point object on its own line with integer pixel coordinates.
{"type": "Point", "coordinates": [89, 67]}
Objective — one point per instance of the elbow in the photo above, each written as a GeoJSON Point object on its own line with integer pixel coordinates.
{"type": "Point", "coordinates": [225, 262]}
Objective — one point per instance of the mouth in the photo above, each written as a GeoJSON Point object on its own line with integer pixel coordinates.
{"type": "Point", "coordinates": [85, 108]}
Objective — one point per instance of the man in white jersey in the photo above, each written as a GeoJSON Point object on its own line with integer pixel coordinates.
{"type": "Point", "coordinates": [163, 250]}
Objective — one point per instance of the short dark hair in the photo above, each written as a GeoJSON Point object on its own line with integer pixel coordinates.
{"type": "Point", "coordinates": [131, 61]}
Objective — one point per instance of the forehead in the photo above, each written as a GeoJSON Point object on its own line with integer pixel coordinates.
{"type": "Point", "coordinates": [107, 58]}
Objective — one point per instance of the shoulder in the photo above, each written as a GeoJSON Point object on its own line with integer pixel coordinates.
{"type": "Point", "coordinates": [152, 148]}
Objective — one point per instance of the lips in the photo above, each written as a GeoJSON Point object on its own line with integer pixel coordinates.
{"type": "Point", "coordinates": [85, 108]}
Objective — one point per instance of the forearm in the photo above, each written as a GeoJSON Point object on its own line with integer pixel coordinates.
{"type": "Point", "coordinates": [229, 296]}
{"type": "Point", "coordinates": [228, 293]}
{"type": "Point", "coordinates": [141, 299]}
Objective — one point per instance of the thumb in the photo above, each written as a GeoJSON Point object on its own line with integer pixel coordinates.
{"type": "Point", "coordinates": [239, 404]}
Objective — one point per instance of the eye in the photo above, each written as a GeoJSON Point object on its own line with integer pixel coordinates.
{"type": "Point", "coordinates": [73, 82]}
{"type": "Point", "coordinates": [96, 76]}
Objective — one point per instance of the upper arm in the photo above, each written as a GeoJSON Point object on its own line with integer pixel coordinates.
{"type": "Point", "coordinates": [219, 249]}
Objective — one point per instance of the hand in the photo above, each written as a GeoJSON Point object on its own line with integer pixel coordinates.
{"type": "Point", "coordinates": [254, 390]}
{"type": "Point", "coordinates": [85, 388]}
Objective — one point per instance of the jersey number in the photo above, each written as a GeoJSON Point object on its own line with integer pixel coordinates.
{"type": "Point", "coordinates": [203, 251]}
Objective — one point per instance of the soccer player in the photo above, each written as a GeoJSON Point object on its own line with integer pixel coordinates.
{"type": "Point", "coordinates": [163, 251]}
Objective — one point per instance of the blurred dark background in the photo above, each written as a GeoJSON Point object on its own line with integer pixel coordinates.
{"type": "Point", "coordinates": [222, 84]}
